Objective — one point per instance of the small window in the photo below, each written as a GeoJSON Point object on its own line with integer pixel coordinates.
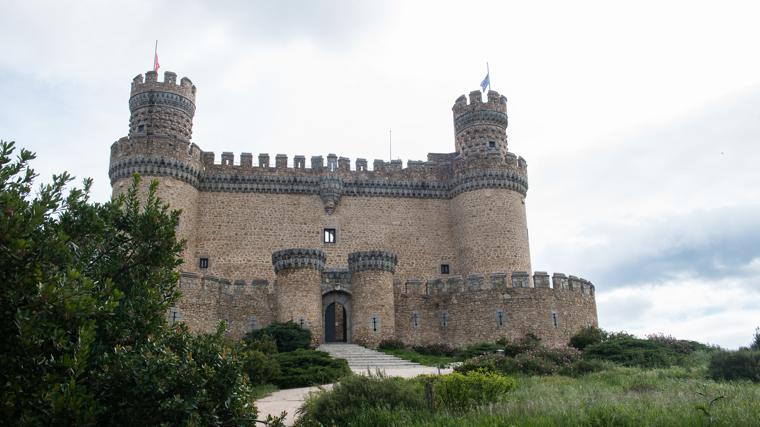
{"type": "Point", "coordinates": [444, 319]}
{"type": "Point", "coordinates": [491, 144]}
{"type": "Point", "coordinates": [174, 315]}
{"type": "Point", "coordinates": [302, 322]}
{"type": "Point", "coordinates": [415, 319]}
{"type": "Point", "coordinates": [141, 128]}
{"type": "Point", "coordinates": [555, 319]}
{"type": "Point", "coordinates": [203, 263]}
{"type": "Point", "coordinates": [501, 318]}
{"type": "Point", "coordinates": [444, 269]}
{"type": "Point", "coordinates": [375, 323]}
{"type": "Point", "coordinates": [329, 235]}
{"type": "Point", "coordinates": [252, 323]}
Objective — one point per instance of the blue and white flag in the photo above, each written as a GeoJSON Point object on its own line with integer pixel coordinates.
{"type": "Point", "coordinates": [486, 82]}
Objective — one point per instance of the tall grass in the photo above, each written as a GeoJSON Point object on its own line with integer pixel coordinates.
{"type": "Point", "coordinates": [616, 397]}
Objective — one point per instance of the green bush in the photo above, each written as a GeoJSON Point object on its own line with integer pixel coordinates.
{"type": "Point", "coordinates": [264, 344]}
{"type": "Point", "coordinates": [755, 345]}
{"type": "Point", "coordinates": [174, 379]}
{"type": "Point", "coordinates": [735, 365]}
{"type": "Point", "coordinates": [301, 368]}
{"type": "Point", "coordinates": [355, 395]}
{"type": "Point", "coordinates": [85, 292]}
{"type": "Point", "coordinates": [581, 367]}
{"type": "Point", "coordinates": [435, 350]}
{"type": "Point", "coordinates": [587, 336]}
{"type": "Point", "coordinates": [260, 368]}
{"type": "Point", "coordinates": [391, 344]}
{"type": "Point", "coordinates": [679, 346]}
{"type": "Point", "coordinates": [287, 335]}
{"type": "Point", "coordinates": [457, 391]}
{"type": "Point", "coordinates": [630, 351]}
{"type": "Point", "coordinates": [526, 343]}
{"type": "Point", "coordinates": [478, 349]}
{"type": "Point", "coordinates": [483, 363]}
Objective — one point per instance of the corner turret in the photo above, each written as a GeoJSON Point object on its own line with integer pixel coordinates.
{"type": "Point", "coordinates": [481, 127]}
{"type": "Point", "coordinates": [163, 109]}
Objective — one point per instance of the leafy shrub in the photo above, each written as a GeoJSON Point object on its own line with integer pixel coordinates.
{"type": "Point", "coordinates": [264, 344]}
{"type": "Point", "coordinates": [391, 344]}
{"type": "Point", "coordinates": [630, 351]}
{"type": "Point", "coordinates": [679, 346]}
{"type": "Point", "coordinates": [478, 349]}
{"type": "Point", "coordinates": [287, 335]}
{"type": "Point", "coordinates": [174, 379]}
{"type": "Point", "coordinates": [587, 336]}
{"type": "Point", "coordinates": [755, 340]}
{"type": "Point", "coordinates": [457, 391]}
{"type": "Point", "coordinates": [261, 368]}
{"type": "Point", "coordinates": [526, 343]}
{"type": "Point", "coordinates": [581, 367]}
{"type": "Point", "coordinates": [483, 363]}
{"type": "Point", "coordinates": [83, 303]}
{"type": "Point", "coordinates": [301, 368]}
{"type": "Point", "coordinates": [435, 350]}
{"type": "Point", "coordinates": [735, 365]}
{"type": "Point", "coordinates": [354, 395]}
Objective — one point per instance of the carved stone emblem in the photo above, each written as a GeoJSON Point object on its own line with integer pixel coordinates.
{"type": "Point", "coordinates": [330, 190]}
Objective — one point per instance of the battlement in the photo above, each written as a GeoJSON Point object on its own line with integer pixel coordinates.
{"type": "Point", "coordinates": [298, 258]}
{"type": "Point", "coordinates": [372, 260]}
{"type": "Point", "coordinates": [493, 110]}
{"type": "Point", "coordinates": [451, 285]}
{"type": "Point", "coordinates": [150, 83]}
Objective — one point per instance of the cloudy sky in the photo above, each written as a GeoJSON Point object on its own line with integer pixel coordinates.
{"type": "Point", "coordinates": [640, 121]}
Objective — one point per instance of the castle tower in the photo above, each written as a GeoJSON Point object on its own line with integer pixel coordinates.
{"type": "Point", "coordinates": [481, 127]}
{"type": "Point", "coordinates": [374, 316]}
{"type": "Point", "coordinates": [297, 292]}
{"type": "Point", "coordinates": [490, 184]}
{"type": "Point", "coordinates": [162, 109]}
{"type": "Point", "coordinates": [158, 147]}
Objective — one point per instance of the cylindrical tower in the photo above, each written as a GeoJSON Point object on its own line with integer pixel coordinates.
{"type": "Point", "coordinates": [297, 288]}
{"type": "Point", "coordinates": [374, 316]}
{"type": "Point", "coordinates": [159, 147]}
{"type": "Point", "coordinates": [489, 188]}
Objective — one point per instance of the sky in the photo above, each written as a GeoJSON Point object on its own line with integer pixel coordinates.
{"type": "Point", "coordinates": [640, 121]}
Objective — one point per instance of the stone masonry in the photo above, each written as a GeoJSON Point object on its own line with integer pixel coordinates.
{"type": "Point", "coordinates": [434, 252]}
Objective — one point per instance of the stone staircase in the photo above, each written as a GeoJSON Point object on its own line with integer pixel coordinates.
{"type": "Point", "coordinates": [360, 358]}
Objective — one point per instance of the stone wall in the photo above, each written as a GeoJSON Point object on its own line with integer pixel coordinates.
{"type": "Point", "coordinates": [297, 292]}
{"type": "Point", "coordinates": [481, 308]}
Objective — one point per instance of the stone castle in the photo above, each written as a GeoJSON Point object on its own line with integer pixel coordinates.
{"type": "Point", "coordinates": [436, 252]}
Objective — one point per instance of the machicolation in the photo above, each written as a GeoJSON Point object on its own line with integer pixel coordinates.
{"type": "Point", "coordinates": [434, 252]}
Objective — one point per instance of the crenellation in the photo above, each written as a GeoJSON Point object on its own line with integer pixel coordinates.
{"type": "Point", "coordinates": [559, 281]}
{"type": "Point", "coordinates": [378, 165]}
{"type": "Point", "coordinates": [541, 279]}
{"type": "Point", "coordinates": [521, 279]}
{"type": "Point", "coordinates": [264, 160]}
{"type": "Point", "coordinates": [228, 158]}
{"type": "Point", "coordinates": [361, 165]}
{"type": "Point", "coordinates": [574, 283]}
{"type": "Point", "coordinates": [344, 164]}
{"type": "Point", "coordinates": [332, 162]}
{"type": "Point", "coordinates": [281, 161]}
{"type": "Point", "coordinates": [317, 163]}
{"type": "Point", "coordinates": [246, 160]}
{"type": "Point", "coordinates": [299, 162]}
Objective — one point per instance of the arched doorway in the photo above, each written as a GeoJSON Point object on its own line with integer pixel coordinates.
{"type": "Point", "coordinates": [336, 307]}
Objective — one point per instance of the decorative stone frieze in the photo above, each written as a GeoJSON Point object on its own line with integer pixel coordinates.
{"type": "Point", "coordinates": [298, 258]}
{"type": "Point", "coordinates": [372, 260]}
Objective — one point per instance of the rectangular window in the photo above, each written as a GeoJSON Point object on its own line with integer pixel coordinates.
{"type": "Point", "coordinates": [555, 320]}
{"type": "Point", "coordinates": [203, 263]}
{"type": "Point", "coordinates": [141, 128]}
{"type": "Point", "coordinates": [329, 235]}
{"type": "Point", "coordinates": [444, 269]}
{"type": "Point", "coordinates": [491, 144]}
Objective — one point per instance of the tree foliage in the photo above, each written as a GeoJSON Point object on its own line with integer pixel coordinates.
{"type": "Point", "coordinates": [85, 289]}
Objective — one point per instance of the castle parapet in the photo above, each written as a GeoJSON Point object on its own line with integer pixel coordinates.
{"type": "Point", "coordinates": [298, 259]}
{"type": "Point", "coordinates": [372, 260]}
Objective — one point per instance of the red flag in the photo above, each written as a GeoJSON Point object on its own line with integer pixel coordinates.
{"type": "Point", "coordinates": [156, 65]}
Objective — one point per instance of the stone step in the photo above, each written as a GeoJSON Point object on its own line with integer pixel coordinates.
{"type": "Point", "coordinates": [363, 358]}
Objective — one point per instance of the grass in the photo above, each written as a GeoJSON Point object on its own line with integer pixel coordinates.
{"type": "Point", "coordinates": [264, 390]}
{"type": "Point", "coordinates": [422, 359]}
{"type": "Point", "coordinates": [617, 397]}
